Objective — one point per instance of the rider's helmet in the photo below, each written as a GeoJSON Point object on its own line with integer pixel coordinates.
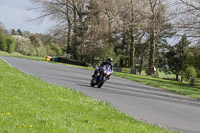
{"type": "Point", "coordinates": [109, 60]}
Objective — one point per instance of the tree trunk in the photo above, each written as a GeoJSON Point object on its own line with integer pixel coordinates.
{"type": "Point", "coordinates": [132, 54]}
{"type": "Point", "coordinates": [152, 54]}
{"type": "Point", "coordinates": [75, 22]}
{"type": "Point", "coordinates": [82, 36]}
{"type": "Point", "coordinates": [176, 77]}
{"type": "Point", "coordinates": [74, 47]}
{"type": "Point", "coordinates": [69, 27]}
{"type": "Point", "coordinates": [69, 39]}
{"type": "Point", "coordinates": [132, 50]}
{"type": "Point", "coordinates": [141, 63]}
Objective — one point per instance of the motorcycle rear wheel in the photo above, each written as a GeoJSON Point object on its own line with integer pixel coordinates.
{"type": "Point", "coordinates": [99, 85]}
{"type": "Point", "coordinates": [92, 83]}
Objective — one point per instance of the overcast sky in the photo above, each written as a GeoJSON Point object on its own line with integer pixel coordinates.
{"type": "Point", "coordinates": [14, 15]}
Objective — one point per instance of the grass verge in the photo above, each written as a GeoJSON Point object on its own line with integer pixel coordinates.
{"type": "Point", "coordinates": [22, 56]}
{"type": "Point", "coordinates": [28, 104]}
{"type": "Point", "coordinates": [174, 86]}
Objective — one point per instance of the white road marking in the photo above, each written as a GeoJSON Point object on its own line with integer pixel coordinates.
{"type": "Point", "coordinates": [6, 62]}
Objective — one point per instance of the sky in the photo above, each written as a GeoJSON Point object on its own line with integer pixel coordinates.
{"type": "Point", "coordinates": [14, 14]}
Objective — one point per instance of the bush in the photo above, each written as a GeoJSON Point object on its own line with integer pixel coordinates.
{"type": "Point", "coordinates": [24, 46]}
{"type": "Point", "coordinates": [40, 51]}
{"type": "Point", "coordinates": [37, 43]}
{"type": "Point", "coordinates": [3, 44]}
{"type": "Point", "coordinates": [56, 48]}
{"type": "Point", "coordinates": [11, 43]}
{"type": "Point", "coordinates": [50, 51]}
{"type": "Point", "coordinates": [190, 73]}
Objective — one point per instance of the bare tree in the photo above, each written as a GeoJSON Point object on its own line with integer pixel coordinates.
{"type": "Point", "coordinates": [2, 28]}
{"type": "Point", "coordinates": [157, 25]}
{"type": "Point", "coordinates": [91, 24]}
{"type": "Point", "coordinates": [188, 18]}
{"type": "Point", "coordinates": [128, 19]}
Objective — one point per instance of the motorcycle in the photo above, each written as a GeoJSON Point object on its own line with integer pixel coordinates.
{"type": "Point", "coordinates": [102, 76]}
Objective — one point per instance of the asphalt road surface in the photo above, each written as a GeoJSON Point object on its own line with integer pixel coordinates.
{"type": "Point", "coordinates": [145, 103]}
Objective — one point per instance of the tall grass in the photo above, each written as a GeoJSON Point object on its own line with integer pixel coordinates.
{"type": "Point", "coordinates": [28, 104]}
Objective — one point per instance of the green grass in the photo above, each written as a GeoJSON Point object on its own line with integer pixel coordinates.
{"type": "Point", "coordinates": [22, 56]}
{"type": "Point", "coordinates": [28, 104]}
{"type": "Point", "coordinates": [162, 74]}
{"type": "Point", "coordinates": [177, 87]}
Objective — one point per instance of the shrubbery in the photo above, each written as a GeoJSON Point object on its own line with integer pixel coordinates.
{"type": "Point", "coordinates": [33, 46]}
{"type": "Point", "coordinates": [190, 73]}
{"type": "Point", "coordinates": [193, 58]}
{"type": "Point", "coordinates": [40, 51]}
{"type": "Point", "coordinates": [30, 45]}
{"type": "Point", "coordinates": [3, 44]}
{"type": "Point", "coordinates": [50, 51]}
{"type": "Point", "coordinates": [7, 43]}
{"type": "Point", "coordinates": [24, 46]}
{"type": "Point", "coordinates": [11, 44]}
{"type": "Point", "coordinates": [37, 43]}
{"type": "Point", "coordinates": [53, 49]}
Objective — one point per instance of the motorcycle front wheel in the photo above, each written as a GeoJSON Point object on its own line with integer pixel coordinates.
{"type": "Point", "coordinates": [101, 82]}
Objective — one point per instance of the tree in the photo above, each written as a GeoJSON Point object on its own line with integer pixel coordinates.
{"type": "Point", "coordinates": [158, 26]}
{"type": "Point", "coordinates": [188, 17]}
{"type": "Point", "coordinates": [142, 52]}
{"type": "Point", "coordinates": [127, 18]}
{"type": "Point", "coordinates": [147, 21]}
{"type": "Point", "coordinates": [58, 11]}
{"type": "Point", "coordinates": [193, 58]}
{"type": "Point", "coordinates": [2, 29]}
{"type": "Point", "coordinates": [162, 53]}
{"type": "Point", "coordinates": [69, 16]}
{"type": "Point", "coordinates": [122, 49]}
{"type": "Point", "coordinates": [176, 57]}
{"type": "Point", "coordinates": [13, 32]}
{"type": "Point", "coordinates": [125, 27]}
{"type": "Point", "coordinates": [47, 39]}
{"type": "Point", "coordinates": [193, 4]}
{"type": "Point", "coordinates": [19, 32]}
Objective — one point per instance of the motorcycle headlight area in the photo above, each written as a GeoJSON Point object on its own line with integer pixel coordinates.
{"type": "Point", "coordinates": [98, 74]}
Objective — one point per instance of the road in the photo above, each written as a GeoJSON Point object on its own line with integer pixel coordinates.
{"type": "Point", "coordinates": [145, 103]}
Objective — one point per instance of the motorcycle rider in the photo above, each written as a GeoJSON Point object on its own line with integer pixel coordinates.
{"type": "Point", "coordinates": [109, 61]}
